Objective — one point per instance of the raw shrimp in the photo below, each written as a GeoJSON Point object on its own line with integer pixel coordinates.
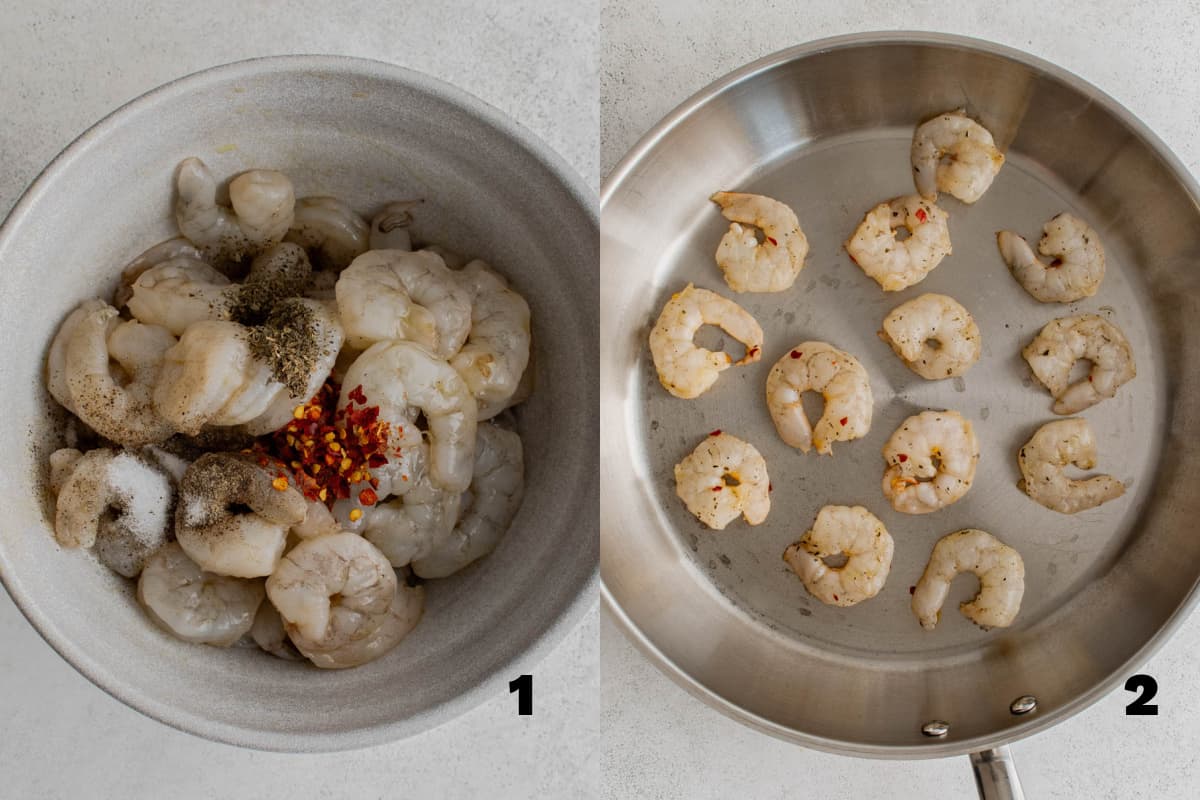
{"type": "Point", "coordinates": [1001, 580]}
{"type": "Point", "coordinates": [209, 372]}
{"type": "Point", "coordinates": [119, 499]}
{"type": "Point", "coordinates": [488, 507]}
{"type": "Point", "coordinates": [406, 526]}
{"type": "Point", "coordinates": [118, 409]}
{"type": "Point", "coordinates": [931, 461]}
{"type": "Point", "coordinates": [56, 360]}
{"type": "Point", "coordinates": [953, 153]}
{"type": "Point", "coordinates": [843, 530]}
{"type": "Point", "coordinates": [684, 369]}
{"type": "Point", "coordinates": [400, 378]}
{"type": "Point", "coordinates": [233, 515]}
{"type": "Point", "coordinates": [327, 335]}
{"type": "Point", "coordinates": [1045, 456]}
{"type": "Point", "coordinates": [896, 264]}
{"type": "Point", "coordinates": [724, 477]}
{"type": "Point", "coordinates": [407, 468]}
{"type": "Point", "coordinates": [497, 350]}
{"type": "Point", "coordinates": [268, 633]}
{"type": "Point", "coordinates": [318, 519]}
{"type": "Point", "coordinates": [934, 335]}
{"type": "Point", "coordinates": [195, 605]}
{"type": "Point", "coordinates": [160, 253]}
{"type": "Point", "coordinates": [394, 294]}
{"type": "Point", "coordinates": [179, 292]}
{"type": "Point", "coordinates": [62, 464]}
{"type": "Point", "coordinates": [389, 228]}
{"type": "Point", "coordinates": [329, 227]}
{"type": "Point", "coordinates": [340, 601]}
{"type": "Point", "coordinates": [1076, 266]}
{"type": "Point", "coordinates": [263, 202]}
{"type": "Point", "coordinates": [841, 380]}
{"type": "Point", "coordinates": [1054, 351]}
{"type": "Point", "coordinates": [752, 266]}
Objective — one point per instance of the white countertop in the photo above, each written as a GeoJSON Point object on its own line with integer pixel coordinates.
{"type": "Point", "coordinates": [659, 741]}
{"type": "Point", "coordinates": [65, 65]}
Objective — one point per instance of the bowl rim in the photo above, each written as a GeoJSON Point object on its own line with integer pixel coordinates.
{"type": "Point", "coordinates": [613, 181]}
{"type": "Point", "coordinates": [490, 686]}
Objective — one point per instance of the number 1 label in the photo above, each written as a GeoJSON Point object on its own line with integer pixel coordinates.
{"type": "Point", "coordinates": [523, 686]}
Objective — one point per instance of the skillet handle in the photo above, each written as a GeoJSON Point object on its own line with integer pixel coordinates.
{"type": "Point", "coordinates": [996, 775]}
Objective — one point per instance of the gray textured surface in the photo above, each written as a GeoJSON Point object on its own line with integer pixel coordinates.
{"type": "Point", "coordinates": [658, 741]}
{"type": "Point", "coordinates": [64, 68]}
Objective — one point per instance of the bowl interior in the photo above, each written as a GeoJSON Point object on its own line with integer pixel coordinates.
{"type": "Point", "coordinates": [367, 133]}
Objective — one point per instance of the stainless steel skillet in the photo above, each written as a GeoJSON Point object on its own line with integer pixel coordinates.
{"type": "Point", "coordinates": [825, 127]}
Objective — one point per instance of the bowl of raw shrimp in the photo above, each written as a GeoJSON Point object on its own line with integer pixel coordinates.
{"type": "Point", "coordinates": [283, 314]}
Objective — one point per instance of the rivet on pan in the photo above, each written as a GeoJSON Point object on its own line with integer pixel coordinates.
{"type": "Point", "coordinates": [936, 728]}
{"type": "Point", "coordinates": [1023, 704]}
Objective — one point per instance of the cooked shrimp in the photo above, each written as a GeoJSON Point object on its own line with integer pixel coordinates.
{"type": "Point", "coordinates": [1045, 456]}
{"type": "Point", "coordinates": [389, 228]}
{"type": "Point", "coordinates": [1054, 351]}
{"type": "Point", "coordinates": [931, 462]}
{"type": "Point", "coordinates": [896, 264]}
{"type": "Point", "coordinates": [169, 250]}
{"type": "Point", "coordinates": [210, 377]}
{"type": "Point", "coordinates": [116, 497]}
{"type": "Point", "coordinates": [934, 335]}
{"type": "Point", "coordinates": [195, 605]}
{"type": "Point", "coordinates": [497, 350]}
{"type": "Point", "coordinates": [841, 380]}
{"type": "Point", "coordinates": [331, 229]}
{"type": "Point", "coordinates": [179, 292]}
{"type": "Point", "coordinates": [953, 153]}
{"type": "Point", "coordinates": [233, 515]}
{"type": "Point", "coordinates": [117, 404]}
{"type": "Point", "coordinates": [268, 633]}
{"type": "Point", "coordinates": [689, 371]}
{"type": "Point", "coordinates": [1001, 580]}
{"type": "Point", "coordinates": [340, 601]}
{"type": "Point", "coordinates": [400, 378]}
{"type": "Point", "coordinates": [843, 530]}
{"type": "Point", "coordinates": [327, 336]}
{"type": "Point", "coordinates": [1077, 260]}
{"type": "Point", "coordinates": [262, 200]}
{"type": "Point", "coordinates": [488, 507]}
{"type": "Point", "coordinates": [394, 294]}
{"type": "Point", "coordinates": [724, 477]}
{"type": "Point", "coordinates": [752, 266]}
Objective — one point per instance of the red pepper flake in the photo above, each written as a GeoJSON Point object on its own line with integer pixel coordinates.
{"type": "Point", "coordinates": [912, 590]}
{"type": "Point", "coordinates": [716, 488]}
{"type": "Point", "coordinates": [717, 432]}
{"type": "Point", "coordinates": [770, 487]}
{"type": "Point", "coordinates": [921, 215]}
{"type": "Point", "coordinates": [902, 457]}
{"type": "Point", "coordinates": [844, 420]}
{"type": "Point", "coordinates": [752, 351]}
{"type": "Point", "coordinates": [772, 241]}
{"type": "Point", "coordinates": [1089, 378]}
{"type": "Point", "coordinates": [835, 598]}
{"type": "Point", "coordinates": [328, 448]}
{"type": "Point", "coordinates": [796, 354]}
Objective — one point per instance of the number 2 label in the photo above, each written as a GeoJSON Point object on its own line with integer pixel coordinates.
{"type": "Point", "coordinates": [1146, 687]}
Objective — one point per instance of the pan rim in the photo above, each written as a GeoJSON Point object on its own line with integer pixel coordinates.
{"type": "Point", "coordinates": [645, 145]}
